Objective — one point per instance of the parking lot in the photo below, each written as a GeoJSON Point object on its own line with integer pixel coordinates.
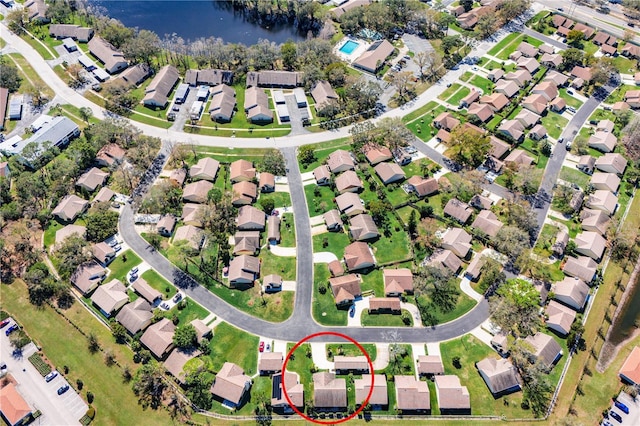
{"type": "Point", "coordinates": [630, 419]}
{"type": "Point", "coordinates": [65, 409]}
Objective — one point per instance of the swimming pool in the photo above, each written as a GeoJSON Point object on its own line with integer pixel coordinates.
{"type": "Point", "coordinates": [349, 47]}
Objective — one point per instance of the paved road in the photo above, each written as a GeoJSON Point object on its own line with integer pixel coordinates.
{"type": "Point", "coordinates": [552, 171]}
{"type": "Point", "coordinates": [551, 41]}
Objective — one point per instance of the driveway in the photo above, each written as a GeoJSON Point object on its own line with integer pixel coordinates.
{"type": "Point", "coordinates": [415, 44]}
{"type": "Point", "coordinates": [66, 409]}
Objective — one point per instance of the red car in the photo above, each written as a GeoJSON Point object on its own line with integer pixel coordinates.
{"type": "Point", "coordinates": [261, 347]}
{"type": "Point", "coordinates": [4, 323]}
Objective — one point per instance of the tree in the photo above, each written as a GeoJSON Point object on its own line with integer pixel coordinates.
{"type": "Point", "coordinates": [198, 384]}
{"type": "Point", "coordinates": [16, 20]}
{"type": "Point", "coordinates": [402, 82]}
{"type": "Point", "coordinates": [396, 355]}
{"type": "Point", "coordinates": [575, 37]}
{"type": "Point", "coordinates": [487, 25]}
{"type": "Point", "coordinates": [102, 224]}
{"type": "Point", "coordinates": [429, 62]}
{"type": "Point", "coordinates": [602, 70]}
{"type": "Point", "coordinates": [218, 218]}
{"type": "Point", "coordinates": [149, 385]}
{"type": "Point", "coordinates": [143, 47]}
{"type": "Point", "coordinates": [515, 307]}
{"type": "Point", "coordinates": [467, 4]}
{"type": "Point", "coordinates": [185, 336]}
{"type": "Point", "coordinates": [379, 210]}
{"type": "Point", "coordinates": [307, 155]}
{"type": "Point", "coordinates": [267, 205]}
{"type": "Point", "coordinates": [450, 43]}
{"type": "Point", "coordinates": [491, 276]}
{"type": "Point", "coordinates": [511, 9]}
{"type": "Point", "coordinates": [572, 57]}
{"type": "Point", "coordinates": [511, 241]}
{"type": "Point", "coordinates": [470, 148]}
{"type": "Point", "coordinates": [92, 343]}
{"type": "Point", "coordinates": [59, 11]}
{"type": "Point", "coordinates": [73, 251]}
{"type": "Point", "coordinates": [288, 54]}
{"type": "Point", "coordinates": [85, 113]}
{"type": "Point", "coordinates": [9, 75]}
{"type": "Point", "coordinates": [119, 332]}
{"type": "Point", "coordinates": [273, 162]}
{"type": "Point", "coordinates": [439, 284]}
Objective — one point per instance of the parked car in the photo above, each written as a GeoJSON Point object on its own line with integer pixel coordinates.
{"type": "Point", "coordinates": [49, 377]}
{"type": "Point", "coordinates": [572, 109]}
{"type": "Point", "coordinates": [164, 305]}
{"type": "Point", "coordinates": [117, 248]}
{"type": "Point", "coordinates": [622, 407]}
{"type": "Point", "coordinates": [616, 416]}
{"type": "Point", "coordinates": [560, 140]}
{"type": "Point", "coordinates": [268, 348]}
{"type": "Point", "coordinates": [134, 270]}
{"type": "Point", "coordinates": [570, 92]}
{"type": "Point", "coordinates": [177, 297]}
{"type": "Point", "coordinates": [4, 323]}
{"type": "Point", "coordinates": [62, 389]}
{"type": "Point", "coordinates": [261, 347]}
{"type": "Point", "coordinates": [11, 329]}
{"type": "Point", "coordinates": [352, 311]}
{"type": "Point", "coordinates": [568, 146]}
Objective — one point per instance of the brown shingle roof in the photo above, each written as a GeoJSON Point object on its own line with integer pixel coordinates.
{"type": "Point", "coordinates": [397, 281]}
{"type": "Point", "coordinates": [630, 370]}
{"type": "Point", "coordinates": [157, 92]}
{"type": "Point", "coordinates": [458, 210]}
{"type": "Point", "coordinates": [362, 227]}
{"type": "Point", "coordinates": [142, 287]}
{"type": "Point", "coordinates": [498, 374]}
{"type": "Point", "coordinates": [206, 168]}
{"type": "Point", "coordinates": [348, 181]}
{"type": "Point", "coordinates": [422, 186]}
{"type": "Point", "coordinates": [231, 383]}
{"type": "Point", "coordinates": [329, 392]}
{"type": "Point", "coordinates": [241, 170]}
{"type": "Point", "coordinates": [92, 179]}
{"type": "Point", "coordinates": [357, 255]}
{"type": "Point", "coordinates": [451, 394]}
{"type": "Point", "coordinates": [582, 267]}
{"type": "Point", "coordinates": [345, 288]}
{"type": "Point", "coordinates": [389, 172]}
{"type": "Point", "coordinates": [430, 364]}
{"type": "Point", "coordinates": [487, 222]}
{"type": "Point", "coordinates": [340, 160]}
{"type": "Point", "coordinates": [384, 304]}
{"type": "Point", "coordinates": [158, 338]}
{"type": "Point", "coordinates": [545, 348]}
{"type": "Point", "coordinates": [135, 316]}
{"type": "Point", "coordinates": [270, 361]}
{"type": "Point", "coordinates": [196, 192]}
{"type": "Point", "coordinates": [110, 296]}
{"type": "Point", "coordinates": [250, 218]}
{"type": "Point", "coordinates": [379, 395]}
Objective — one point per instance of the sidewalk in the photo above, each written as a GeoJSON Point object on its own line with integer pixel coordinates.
{"type": "Point", "coordinates": [319, 356]}
{"type": "Point", "coordinates": [465, 286]}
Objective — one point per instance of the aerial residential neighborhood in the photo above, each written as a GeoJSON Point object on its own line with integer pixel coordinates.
{"type": "Point", "coordinates": [408, 211]}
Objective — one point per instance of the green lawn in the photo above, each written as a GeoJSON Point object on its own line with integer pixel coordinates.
{"type": "Point", "coordinates": [283, 266]}
{"type": "Point", "coordinates": [319, 204]}
{"type": "Point", "coordinates": [571, 101]}
{"type": "Point", "coordinates": [50, 233]}
{"type": "Point", "coordinates": [349, 349]}
{"type": "Point", "coordinates": [457, 97]}
{"type": "Point", "coordinates": [335, 243]}
{"type": "Point", "coordinates": [383, 320]}
{"type": "Point", "coordinates": [394, 247]}
{"type": "Point", "coordinates": [302, 364]}
{"type": "Point", "coordinates": [64, 345]}
{"type": "Point", "coordinates": [420, 112]}
{"type": "Point", "coordinates": [121, 265]}
{"type": "Point", "coordinates": [449, 91]}
{"type": "Point", "coordinates": [470, 350]}
{"type": "Point", "coordinates": [625, 65]}
{"type": "Point", "coordinates": [482, 83]}
{"type": "Point", "coordinates": [324, 307]}
{"type": "Point", "coordinates": [323, 150]}
{"type": "Point", "coordinates": [572, 175]}
{"type": "Point", "coordinates": [30, 76]}
{"type": "Point", "coordinates": [423, 127]}
{"type": "Point", "coordinates": [618, 94]}
{"type": "Point", "coordinates": [156, 281]}
{"type": "Point", "coordinates": [503, 43]}
{"type": "Point", "coordinates": [45, 51]}
{"type": "Point", "coordinates": [373, 282]}
{"type": "Point", "coordinates": [287, 231]}
{"type": "Point", "coordinates": [554, 123]}
{"type": "Point", "coordinates": [601, 114]}
{"type": "Point", "coordinates": [190, 312]}
{"type": "Point", "coordinates": [545, 240]}
{"type": "Point", "coordinates": [463, 305]}
{"type": "Point", "coordinates": [230, 344]}
{"type": "Point", "coordinates": [405, 213]}
{"type": "Point", "coordinates": [280, 199]}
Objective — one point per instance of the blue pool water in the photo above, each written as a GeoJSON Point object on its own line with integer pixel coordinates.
{"type": "Point", "coordinates": [349, 47]}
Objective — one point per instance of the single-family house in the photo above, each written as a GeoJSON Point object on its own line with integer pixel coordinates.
{"type": "Point", "coordinates": [103, 253]}
{"type": "Point", "coordinates": [513, 129]}
{"type": "Point", "coordinates": [529, 64]}
{"type": "Point", "coordinates": [358, 256]}
{"type": "Point", "coordinates": [582, 267]}
{"type": "Point", "coordinates": [231, 385]}
{"type": "Point", "coordinates": [350, 204]}
{"type": "Point", "coordinates": [590, 244]}
{"type": "Point", "coordinates": [350, 364]}
{"type": "Point", "coordinates": [87, 276]}
{"type": "Point", "coordinates": [509, 88]}
{"type": "Point", "coordinates": [497, 101]}
{"type": "Point", "coordinates": [243, 271]}
{"type": "Point", "coordinates": [458, 241]}
{"type": "Point", "coordinates": [446, 259]}
{"type": "Point", "coordinates": [241, 170]}
{"type": "Point", "coordinates": [92, 179]}
{"type": "Point", "coordinates": [472, 97]}
{"type": "Point", "coordinates": [453, 398]}
{"type": "Point", "coordinates": [412, 395]}
{"type": "Point", "coordinates": [250, 219]}
{"type": "Point", "coordinates": [246, 242]}
{"type": "Point", "coordinates": [544, 348]}
{"type": "Point", "coordinates": [594, 220]}
{"type": "Point", "coordinates": [377, 154]}
{"type": "Point", "coordinates": [584, 29]}
{"type": "Point", "coordinates": [586, 164]}
{"type": "Point", "coordinates": [520, 76]}
{"type": "Point", "coordinates": [323, 94]}
{"type": "Point", "coordinates": [458, 210]}
{"type": "Point", "coordinates": [528, 50]}
{"type": "Point", "coordinates": [495, 74]}
{"type": "Point", "coordinates": [105, 195]}
{"type": "Point", "coordinates": [150, 294]}
{"type": "Point", "coordinates": [192, 235]}
{"type": "Point", "coordinates": [272, 283]}
{"type": "Point", "coordinates": [397, 281]}
{"type": "Point", "coordinates": [295, 391]}
{"type": "Point", "coordinates": [606, 181]}
{"type": "Point", "coordinates": [583, 73]}
{"type": "Point", "coordinates": [389, 172]}
{"type": "Point", "coordinates": [379, 398]}
{"type": "Point", "coordinates": [348, 181]}
{"type": "Point", "coordinates": [14, 408]}
{"type": "Point", "coordinates": [322, 175]}
{"type": "Point", "coordinates": [158, 337]}
{"type": "Point", "coordinates": [632, 98]}
{"type": "Point", "coordinates": [135, 75]}
{"type": "Point", "coordinates": [557, 78]}
{"type": "Point", "coordinates": [536, 103]}
{"type": "Point", "coordinates": [70, 207]}
{"type": "Point", "coordinates": [603, 200]}
{"type": "Point", "coordinates": [551, 60]}
{"type": "Point", "coordinates": [499, 374]}
{"type": "Point", "coordinates": [603, 141]}
{"type": "Point", "coordinates": [332, 220]}
{"type": "Point", "coordinates": [345, 288]}
{"type": "Point", "coordinates": [527, 118]}
{"type": "Point", "coordinates": [480, 112]}
{"type": "Point", "coordinates": [572, 292]}
{"type": "Point", "coordinates": [69, 230]}
{"type": "Point", "coordinates": [135, 316]}
{"type": "Point", "coordinates": [110, 297]}
{"type": "Point", "coordinates": [192, 214]}
{"type": "Point", "coordinates": [340, 161]}
{"type": "Point", "coordinates": [157, 92]}
{"type": "Point", "coordinates": [446, 120]}
{"type": "Point", "coordinates": [177, 177]}
{"type": "Point", "coordinates": [110, 155]}
{"type": "Point", "coordinates": [176, 361]}
{"type": "Point", "coordinates": [112, 59]}
{"type": "Point", "coordinates": [205, 169]}
{"type": "Point", "coordinates": [267, 182]}
{"type": "Point", "coordinates": [362, 228]}
{"type": "Point", "coordinates": [475, 267]}
{"type": "Point", "coordinates": [166, 224]}
{"type": "Point", "coordinates": [498, 147]}
{"type": "Point", "coordinates": [196, 192]}
{"type": "Point", "coordinates": [270, 363]}
{"type": "Point", "coordinates": [386, 305]}
{"type": "Point", "coordinates": [538, 132]}
{"type": "Point", "coordinates": [422, 187]}
{"type": "Point", "coordinates": [520, 157]}
{"type": "Point", "coordinates": [487, 222]}
{"type": "Point", "coordinates": [611, 163]}
{"type": "Point", "coordinates": [559, 317]}
{"type": "Point", "coordinates": [329, 393]}
{"type": "Point", "coordinates": [273, 229]}
{"type": "Point", "coordinates": [558, 105]}
{"type": "Point", "coordinates": [430, 365]}
{"type": "Point", "coordinates": [244, 192]}
{"type": "Point", "coordinates": [37, 11]}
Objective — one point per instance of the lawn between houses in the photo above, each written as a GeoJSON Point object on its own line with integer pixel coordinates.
{"type": "Point", "coordinates": [113, 399]}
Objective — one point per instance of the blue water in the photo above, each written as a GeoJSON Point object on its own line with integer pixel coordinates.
{"type": "Point", "coordinates": [194, 19]}
{"type": "Point", "coordinates": [349, 47]}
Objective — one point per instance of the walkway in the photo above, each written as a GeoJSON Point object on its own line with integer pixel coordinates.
{"type": "Point", "coordinates": [465, 286]}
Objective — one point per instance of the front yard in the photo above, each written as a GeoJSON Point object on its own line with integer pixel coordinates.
{"type": "Point", "coordinates": [121, 265]}
{"type": "Point", "coordinates": [230, 344]}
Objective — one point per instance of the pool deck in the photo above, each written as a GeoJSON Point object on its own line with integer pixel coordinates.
{"type": "Point", "coordinates": [359, 50]}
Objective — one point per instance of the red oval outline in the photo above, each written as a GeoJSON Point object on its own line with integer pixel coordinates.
{"type": "Point", "coordinates": [371, 371]}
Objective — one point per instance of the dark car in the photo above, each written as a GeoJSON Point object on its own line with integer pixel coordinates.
{"type": "Point", "coordinates": [11, 329]}
{"type": "Point", "coordinates": [616, 416]}
{"type": "Point", "coordinates": [177, 297]}
{"type": "Point", "coordinates": [4, 323]}
{"type": "Point", "coordinates": [63, 389]}
{"type": "Point", "coordinates": [49, 377]}
{"type": "Point", "coordinates": [619, 405]}
{"type": "Point", "coordinates": [352, 311]}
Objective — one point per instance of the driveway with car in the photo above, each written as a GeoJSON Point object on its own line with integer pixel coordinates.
{"type": "Point", "coordinates": [65, 409]}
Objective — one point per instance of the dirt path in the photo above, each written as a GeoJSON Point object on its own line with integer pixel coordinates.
{"type": "Point", "coordinates": [609, 351]}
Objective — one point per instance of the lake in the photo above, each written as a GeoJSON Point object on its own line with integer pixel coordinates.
{"type": "Point", "coordinates": [194, 19]}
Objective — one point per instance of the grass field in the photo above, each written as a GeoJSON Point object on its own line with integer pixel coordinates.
{"type": "Point", "coordinates": [287, 231]}
{"type": "Point", "coordinates": [283, 266]}
{"type": "Point", "coordinates": [302, 364]}
{"type": "Point", "coordinates": [571, 101]}
{"type": "Point", "coordinates": [618, 94]}
{"type": "Point", "coordinates": [482, 83]}
{"type": "Point", "coordinates": [449, 91]}
{"type": "Point", "coordinates": [45, 51]}
{"type": "Point", "coordinates": [574, 176]}
{"type": "Point", "coordinates": [63, 345]}
{"type": "Point", "coordinates": [395, 247]}
{"type": "Point", "coordinates": [319, 204]}
{"type": "Point", "coordinates": [457, 97]}
{"type": "Point", "coordinates": [554, 123]}
{"type": "Point", "coordinates": [349, 349]}
{"type": "Point", "coordinates": [322, 151]}
{"type": "Point", "coordinates": [470, 350]}
{"type": "Point", "coordinates": [31, 78]}
{"type": "Point", "coordinates": [324, 307]}
{"type": "Point", "coordinates": [280, 199]}
{"type": "Point", "coordinates": [121, 265]}
{"type": "Point", "coordinates": [503, 43]}
{"type": "Point", "coordinates": [156, 281]}
{"type": "Point", "coordinates": [336, 242]}
{"type": "Point", "coordinates": [233, 345]}
{"type": "Point", "coordinates": [419, 112]}
{"type": "Point", "coordinates": [190, 312]}
{"type": "Point", "coordinates": [384, 320]}
{"type": "Point", "coordinates": [423, 126]}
